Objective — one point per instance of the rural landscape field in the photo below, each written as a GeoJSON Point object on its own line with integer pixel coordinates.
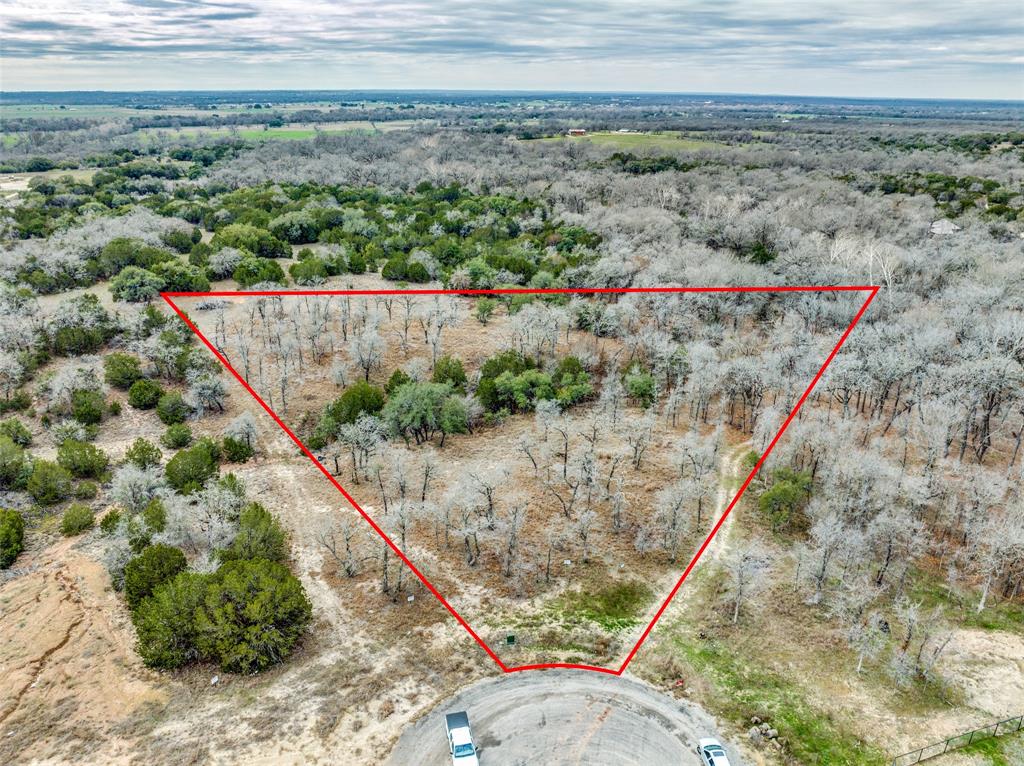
{"type": "Point", "coordinates": [466, 425]}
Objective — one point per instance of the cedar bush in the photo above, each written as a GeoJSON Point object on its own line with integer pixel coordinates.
{"type": "Point", "coordinates": [144, 394]}
{"type": "Point", "coordinates": [83, 460]}
{"type": "Point", "coordinates": [49, 483]}
{"type": "Point", "coordinates": [76, 519]}
{"type": "Point", "coordinates": [155, 565]}
{"type": "Point", "coordinates": [12, 536]}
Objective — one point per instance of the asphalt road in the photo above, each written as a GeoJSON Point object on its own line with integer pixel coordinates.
{"type": "Point", "coordinates": [556, 717]}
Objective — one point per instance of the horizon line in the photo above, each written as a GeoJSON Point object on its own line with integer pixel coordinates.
{"type": "Point", "coordinates": [514, 91]}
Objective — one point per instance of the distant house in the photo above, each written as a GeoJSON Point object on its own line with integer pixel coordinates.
{"type": "Point", "coordinates": [576, 132]}
{"type": "Point", "coordinates": [944, 226]}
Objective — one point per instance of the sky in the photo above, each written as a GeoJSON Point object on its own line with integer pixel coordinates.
{"type": "Point", "coordinates": [870, 48]}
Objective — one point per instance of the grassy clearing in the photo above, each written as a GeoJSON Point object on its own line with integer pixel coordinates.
{"type": "Point", "coordinates": [286, 134]}
{"type": "Point", "coordinates": [742, 690]}
{"type": "Point", "coordinates": [665, 140]}
{"type": "Point", "coordinates": [614, 607]}
{"type": "Point", "coordinates": [292, 132]}
{"type": "Point", "coordinates": [960, 607]}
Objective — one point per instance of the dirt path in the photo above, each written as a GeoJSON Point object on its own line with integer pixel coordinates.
{"type": "Point", "coordinates": [564, 717]}
{"type": "Point", "coordinates": [729, 473]}
{"type": "Point", "coordinates": [728, 482]}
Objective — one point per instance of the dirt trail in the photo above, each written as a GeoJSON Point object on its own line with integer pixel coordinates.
{"type": "Point", "coordinates": [729, 472]}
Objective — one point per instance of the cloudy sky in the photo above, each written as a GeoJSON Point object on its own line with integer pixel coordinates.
{"type": "Point", "coordinates": [907, 48]}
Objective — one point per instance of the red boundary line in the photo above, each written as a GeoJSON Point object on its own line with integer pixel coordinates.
{"type": "Point", "coordinates": [870, 289]}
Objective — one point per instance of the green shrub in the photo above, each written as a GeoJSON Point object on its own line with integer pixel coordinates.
{"type": "Point", "coordinates": [108, 524]}
{"type": "Point", "coordinates": [87, 407]}
{"type": "Point", "coordinates": [253, 614]}
{"type": "Point", "coordinates": [86, 490]}
{"type": "Point", "coordinates": [155, 515]}
{"type": "Point", "coordinates": [177, 239]}
{"type": "Point", "coordinates": [508, 361]}
{"type": "Point", "coordinates": [89, 327]}
{"type": "Point", "coordinates": [485, 309]}
{"type": "Point", "coordinates": [144, 573]}
{"type": "Point", "coordinates": [199, 255]}
{"type": "Point", "coordinates": [572, 384]}
{"type": "Point", "coordinates": [165, 623]}
{"type": "Point", "coordinates": [357, 399]}
{"type": "Point", "coordinates": [640, 387]}
{"type": "Point", "coordinates": [83, 460]}
{"type": "Point", "coordinates": [297, 227]}
{"type": "Point", "coordinates": [190, 468]}
{"type": "Point", "coordinates": [171, 408]}
{"type": "Point", "coordinates": [16, 431]}
{"type": "Point", "coordinates": [18, 401]}
{"type": "Point", "coordinates": [784, 501]}
{"type": "Point", "coordinates": [182, 277]}
{"type": "Point", "coordinates": [177, 436]}
{"type": "Point", "coordinates": [259, 242]}
{"type": "Point", "coordinates": [448, 369]}
{"type": "Point", "coordinates": [135, 285]}
{"type": "Point", "coordinates": [138, 535]}
{"type": "Point", "coordinates": [236, 451]}
{"type": "Point", "coordinates": [49, 483]}
{"type": "Point", "coordinates": [123, 252]}
{"type": "Point", "coordinates": [398, 379]}
{"type": "Point", "coordinates": [252, 271]}
{"type": "Point", "coordinates": [76, 519]}
{"type": "Point", "coordinates": [144, 394]}
{"type": "Point", "coordinates": [143, 453]}
{"type": "Point", "coordinates": [520, 393]}
{"type": "Point", "coordinates": [121, 370]}
{"type": "Point", "coordinates": [12, 463]}
{"type": "Point", "coordinates": [260, 536]}
{"type": "Point", "coordinates": [311, 271]}
{"type": "Point", "coordinates": [12, 536]}
{"type": "Point", "coordinates": [115, 408]}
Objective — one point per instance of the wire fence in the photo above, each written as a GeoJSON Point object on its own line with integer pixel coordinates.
{"type": "Point", "coordinates": [1008, 726]}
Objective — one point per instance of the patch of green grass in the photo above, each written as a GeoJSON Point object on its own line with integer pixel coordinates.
{"type": "Point", "coordinates": [744, 690]}
{"type": "Point", "coordinates": [961, 607]}
{"type": "Point", "coordinates": [284, 134]}
{"type": "Point", "coordinates": [614, 607]}
{"type": "Point", "coordinates": [1000, 751]}
{"type": "Point", "coordinates": [1004, 615]}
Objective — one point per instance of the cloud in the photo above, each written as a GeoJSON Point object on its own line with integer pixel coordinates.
{"type": "Point", "coordinates": [548, 44]}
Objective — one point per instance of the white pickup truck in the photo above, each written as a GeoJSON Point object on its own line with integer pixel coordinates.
{"type": "Point", "coordinates": [460, 740]}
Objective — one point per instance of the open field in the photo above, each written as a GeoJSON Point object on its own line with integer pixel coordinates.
{"type": "Point", "coordinates": [100, 111]}
{"type": "Point", "coordinates": [292, 132]}
{"type": "Point", "coordinates": [664, 140]}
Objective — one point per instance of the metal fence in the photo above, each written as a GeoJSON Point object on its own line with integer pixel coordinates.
{"type": "Point", "coordinates": [1009, 726]}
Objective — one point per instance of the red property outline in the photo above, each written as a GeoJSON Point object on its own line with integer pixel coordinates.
{"type": "Point", "coordinates": [872, 290]}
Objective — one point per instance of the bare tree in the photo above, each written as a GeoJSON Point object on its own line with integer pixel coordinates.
{"type": "Point", "coordinates": [367, 348]}
{"type": "Point", "coordinates": [747, 566]}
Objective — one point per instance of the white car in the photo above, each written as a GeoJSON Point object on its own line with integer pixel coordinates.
{"type": "Point", "coordinates": [460, 740]}
{"type": "Point", "coordinates": [712, 753]}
